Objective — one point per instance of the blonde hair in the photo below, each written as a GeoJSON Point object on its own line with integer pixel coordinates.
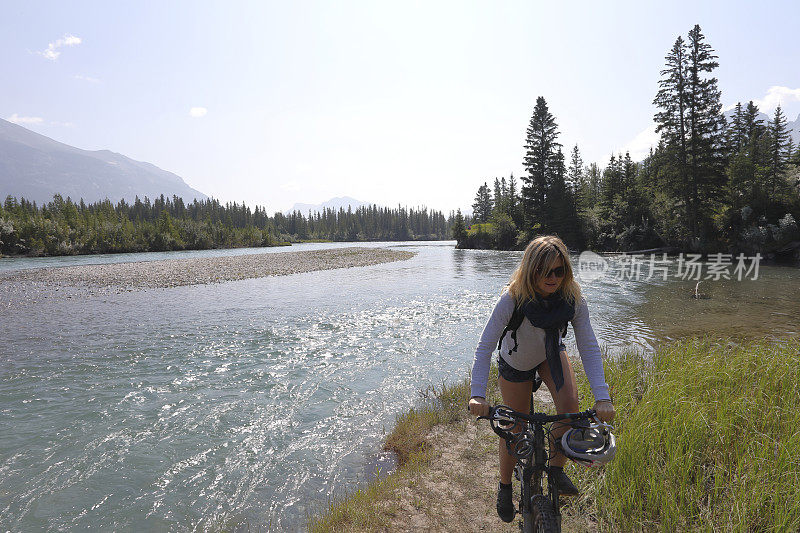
{"type": "Point", "coordinates": [540, 256]}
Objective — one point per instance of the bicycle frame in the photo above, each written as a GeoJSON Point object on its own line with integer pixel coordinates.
{"type": "Point", "coordinates": [530, 470]}
{"type": "Point", "coordinates": [531, 451]}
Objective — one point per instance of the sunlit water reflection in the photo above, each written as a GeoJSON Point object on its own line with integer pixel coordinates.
{"type": "Point", "coordinates": [249, 403]}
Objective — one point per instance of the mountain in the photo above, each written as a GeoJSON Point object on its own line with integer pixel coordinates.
{"type": "Point", "coordinates": [333, 203]}
{"type": "Point", "coordinates": [36, 167]}
{"type": "Point", "coordinates": [793, 127]}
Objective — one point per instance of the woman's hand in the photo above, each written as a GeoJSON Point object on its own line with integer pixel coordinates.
{"type": "Point", "coordinates": [478, 406]}
{"type": "Point", "coordinates": [605, 410]}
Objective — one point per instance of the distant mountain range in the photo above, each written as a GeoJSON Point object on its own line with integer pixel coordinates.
{"type": "Point", "coordinates": [333, 203]}
{"type": "Point", "coordinates": [36, 167]}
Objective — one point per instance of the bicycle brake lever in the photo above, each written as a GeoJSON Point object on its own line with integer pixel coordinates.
{"type": "Point", "coordinates": [604, 425]}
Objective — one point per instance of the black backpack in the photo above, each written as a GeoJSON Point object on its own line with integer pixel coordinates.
{"type": "Point", "coordinates": [513, 325]}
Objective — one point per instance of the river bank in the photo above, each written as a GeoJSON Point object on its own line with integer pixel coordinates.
{"type": "Point", "coordinates": [75, 280]}
{"type": "Point", "coordinates": [695, 450]}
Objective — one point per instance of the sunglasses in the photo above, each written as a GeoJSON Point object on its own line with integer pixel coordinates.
{"type": "Point", "coordinates": [558, 271]}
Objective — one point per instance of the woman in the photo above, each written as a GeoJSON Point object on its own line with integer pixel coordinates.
{"type": "Point", "coordinates": [544, 287]}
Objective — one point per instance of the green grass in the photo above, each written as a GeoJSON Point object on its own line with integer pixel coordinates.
{"type": "Point", "coordinates": [709, 439]}
{"type": "Point", "coordinates": [356, 511]}
{"type": "Point", "coordinates": [443, 405]}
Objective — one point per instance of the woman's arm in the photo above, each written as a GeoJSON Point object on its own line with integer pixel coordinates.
{"type": "Point", "coordinates": [589, 351]}
{"type": "Point", "coordinates": [488, 343]}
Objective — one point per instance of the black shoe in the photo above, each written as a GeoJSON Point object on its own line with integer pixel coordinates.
{"type": "Point", "coordinates": [505, 504]}
{"type": "Point", "coordinates": [563, 483]}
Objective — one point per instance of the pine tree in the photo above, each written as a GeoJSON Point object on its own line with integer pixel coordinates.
{"type": "Point", "coordinates": [541, 149]}
{"type": "Point", "coordinates": [513, 200]}
{"type": "Point", "coordinates": [779, 150]}
{"type": "Point", "coordinates": [748, 172]}
{"type": "Point", "coordinates": [706, 166]}
{"type": "Point", "coordinates": [561, 205]}
{"type": "Point", "coordinates": [498, 195]}
{"type": "Point", "coordinates": [671, 121]}
{"type": "Point", "coordinates": [755, 131]}
{"type": "Point", "coordinates": [575, 172]}
{"type": "Point", "coordinates": [593, 183]}
{"type": "Point", "coordinates": [482, 208]}
{"type": "Point", "coordinates": [611, 185]}
{"type": "Point", "coordinates": [459, 231]}
{"type": "Point", "coordinates": [636, 192]}
{"type": "Point", "coordinates": [752, 125]}
{"type": "Point", "coordinates": [628, 174]}
{"type": "Point", "coordinates": [735, 136]}
{"type": "Point", "coordinates": [502, 200]}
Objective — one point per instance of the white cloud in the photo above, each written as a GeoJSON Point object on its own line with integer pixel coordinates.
{"type": "Point", "coordinates": [198, 112]}
{"type": "Point", "coordinates": [777, 96]}
{"type": "Point", "coordinates": [52, 52]}
{"type": "Point", "coordinates": [16, 119]}
{"type": "Point", "coordinates": [639, 146]}
{"type": "Point", "coordinates": [86, 78]}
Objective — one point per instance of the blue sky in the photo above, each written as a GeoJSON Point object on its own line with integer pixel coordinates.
{"type": "Point", "coordinates": [416, 103]}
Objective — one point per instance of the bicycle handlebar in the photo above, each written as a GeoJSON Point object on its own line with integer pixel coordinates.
{"type": "Point", "coordinates": [503, 420]}
{"type": "Point", "coordinates": [504, 413]}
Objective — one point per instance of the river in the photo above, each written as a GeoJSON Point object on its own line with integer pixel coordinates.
{"type": "Point", "coordinates": [248, 404]}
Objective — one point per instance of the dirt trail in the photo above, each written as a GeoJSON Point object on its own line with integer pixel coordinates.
{"type": "Point", "coordinates": [458, 490]}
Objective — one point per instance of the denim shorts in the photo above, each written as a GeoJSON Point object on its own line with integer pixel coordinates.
{"type": "Point", "coordinates": [509, 373]}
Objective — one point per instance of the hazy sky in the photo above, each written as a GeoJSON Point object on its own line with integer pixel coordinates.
{"type": "Point", "coordinates": [416, 103]}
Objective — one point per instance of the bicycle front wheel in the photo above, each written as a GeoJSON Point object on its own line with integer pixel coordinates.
{"type": "Point", "coordinates": [543, 515]}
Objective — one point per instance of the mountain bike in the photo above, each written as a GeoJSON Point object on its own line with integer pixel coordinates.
{"type": "Point", "coordinates": [540, 510]}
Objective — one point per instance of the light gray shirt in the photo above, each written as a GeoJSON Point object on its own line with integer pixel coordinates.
{"type": "Point", "coordinates": [530, 347]}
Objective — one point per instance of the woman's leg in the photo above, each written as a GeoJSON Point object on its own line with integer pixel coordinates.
{"type": "Point", "coordinates": [518, 397]}
{"type": "Point", "coordinates": [566, 400]}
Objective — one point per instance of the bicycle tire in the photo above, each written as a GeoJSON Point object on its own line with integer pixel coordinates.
{"type": "Point", "coordinates": [544, 517]}
{"type": "Point", "coordinates": [526, 510]}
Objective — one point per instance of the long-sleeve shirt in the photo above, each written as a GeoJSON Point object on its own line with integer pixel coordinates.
{"type": "Point", "coordinates": [531, 349]}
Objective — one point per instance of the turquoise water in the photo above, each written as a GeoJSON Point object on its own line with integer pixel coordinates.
{"type": "Point", "coordinates": [246, 404]}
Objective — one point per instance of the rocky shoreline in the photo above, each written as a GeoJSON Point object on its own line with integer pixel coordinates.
{"type": "Point", "coordinates": [122, 277]}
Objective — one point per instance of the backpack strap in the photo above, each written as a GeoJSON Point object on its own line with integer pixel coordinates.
{"type": "Point", "coordinates": [513, 325]}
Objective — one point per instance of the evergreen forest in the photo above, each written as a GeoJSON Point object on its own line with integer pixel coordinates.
{"type": "Point", "coordinates": [710, 185]}
{"type": "Point", "coordinates": [63, 227]}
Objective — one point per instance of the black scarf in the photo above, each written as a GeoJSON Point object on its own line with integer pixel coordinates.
{"type": "Point", "coordinates": [551, 313]}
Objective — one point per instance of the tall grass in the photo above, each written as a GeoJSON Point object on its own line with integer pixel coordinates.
{"type": "Point", "coordinates": [440, 406]}
{"type": "Point", "coordinates": [709, 438]}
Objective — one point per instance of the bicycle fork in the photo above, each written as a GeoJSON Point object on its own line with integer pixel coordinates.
{"type": "Point", "coordinates": [530, 473]}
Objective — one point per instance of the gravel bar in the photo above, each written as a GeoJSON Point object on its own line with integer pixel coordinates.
{"type": "Point", "coordinates": [202, 270]}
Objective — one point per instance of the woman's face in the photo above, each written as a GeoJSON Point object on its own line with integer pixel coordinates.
{"type": "Point", "coordinates": [549, 282]}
